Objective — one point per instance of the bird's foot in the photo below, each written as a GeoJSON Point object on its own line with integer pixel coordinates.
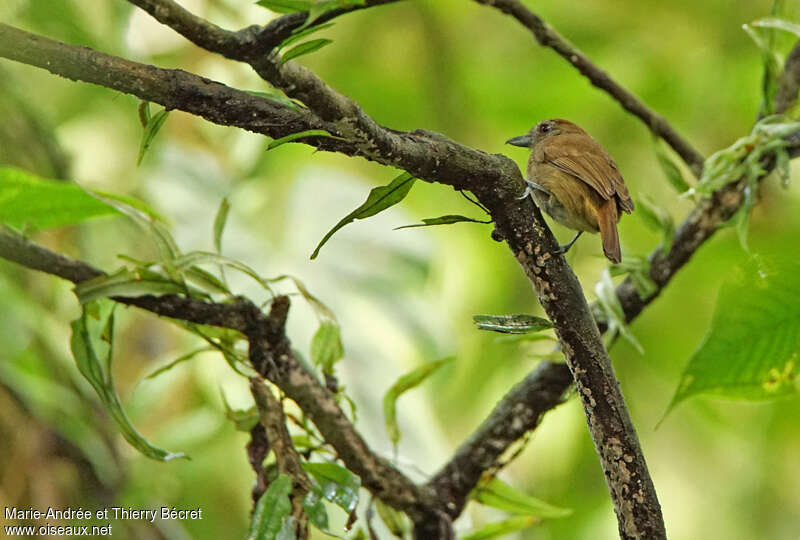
{"type": "Point", "coordinates": [563, 249]}
{"type": "Point", "coordinates": [533, 186]}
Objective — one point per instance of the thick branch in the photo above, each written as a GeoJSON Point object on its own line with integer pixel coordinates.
{"type": "Point", "coordinates": [521, 409]}
{"type": "Point", "coordinates": [548, 37]}
{"type": "Point", "coordinates": [495, 180]}
{"type": "Point", "coordinates": [267, 343]}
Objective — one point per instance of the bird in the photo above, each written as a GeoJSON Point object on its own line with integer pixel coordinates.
{"type": "Point", "coordinates": [574, 179]}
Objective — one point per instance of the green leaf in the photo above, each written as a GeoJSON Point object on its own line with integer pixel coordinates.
{"type": "Point", "coordinates": [752, 350]}
{"type": "Point", "coordinates": [286, 6]}
{"type": "Point", "coordinates": [326, 346]}
{"type": "Point", "coordinates": [494, 492]}
{"type": "Point", "coordinates": [612, 310]}
{"type": "Point", "coordinates": [300, 34]}
{"type": "Point", "coordinates": [638, 269]}
{"type": "Point", "coordinates": [379, 199]}
{"type": "Point", "coordinates": [288, 529]}
{"type": "Point", "coordinates": [125, 282]}
{"type": "Point", "coordinates": [658, 219]}
{"type": "Point", "coordinates": [183, 358]}
{"type": "Point", "coordinates": [244, 419]}
{"type": "Point", "coordinates": [152, 128]}
{"type": "Point", "coordinates": [441, 220]}
{"type": "Point", "coordinates": [338, 485]}
{"type": "Point", "coordinates": [271, 510]}
{"type": "Point", "coordinates": [301, 135]}
{"type": "Point", "coordinates": [670, 168]}
{"type": "Point", "coordinates": [28, 200]}
{"type": "Point", "coordinates": [408, 381]}
{"type": "Point", "coordinates": [219, 223]}
{"type": "Point", "coordinates": [315, 509]}
{"type": "Point", "coordinates": [512, 324]}
{"type": "Point", "coordinates": [395, 520]}
{"type": "Point", "coordinates": [322, 311]}
{"type": "Point", "coordinates": [92, 346]}
{"type": "Point", "coordinates": [778, 24]}
{"type": "Point", "coordinates": [305, 48]}
{"type": "Point", "coordinates": [277, 97]}
{"type": "Point", "coordinates": [502, 528]}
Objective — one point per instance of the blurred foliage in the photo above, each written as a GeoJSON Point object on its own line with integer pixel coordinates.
{"type": "Point", "coordinates": [400, 298]}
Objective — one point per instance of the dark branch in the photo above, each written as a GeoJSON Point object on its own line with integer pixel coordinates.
{"type": "Point", "coordinates": [548, 37]}
{"type": "Point", "coordinates": [496, 182]}
{"type": "Point", "coordinates": [521, 409]}
{"type": "Point", "coordinates": [268, 347]}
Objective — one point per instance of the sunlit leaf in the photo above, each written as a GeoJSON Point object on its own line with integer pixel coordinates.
{"type": "Point", "coordinates": [92, 346]}
{"type": "Point", "coordinates": [441, 220]}
{"type": "Point", "coordinates": [271, 510]}
{"type": "Point", "coordinates": [379, 199]}
{"type": "Point", "coordinates": [612, 310]}
{"type": "Point", "coordinates": [307, 47]}
{"type": "Point", "coordinates": [183, 358]}
{"type": "Point", "coordinates": [152, 128]}
{"type": "Point", "coordinates": [322, 311]}
{"type": "Point", "coordinates": [326, 346]}
{"type": "Point", "coordinates": [493, 492]}
{"type": "Point", "coordinates": [512, 324]}
{"type": "Point", "coordinates": [408, 381]}
{"type": "Point", "coordinates": [752, 350]}
{"type": "Point", "coordinates": [301, 135]}
{"type": "Point", "coordinates": [27, 200]}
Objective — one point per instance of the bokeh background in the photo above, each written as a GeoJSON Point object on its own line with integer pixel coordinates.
{"type": "Point", "coordinates": [723, 470]}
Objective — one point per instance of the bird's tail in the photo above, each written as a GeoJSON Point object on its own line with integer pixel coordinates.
{"type": "Point", "coordinates": [607, 218]}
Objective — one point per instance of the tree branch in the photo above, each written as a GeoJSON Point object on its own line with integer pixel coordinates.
{"type": "Point", "coordinates": [521, 409]}
{"type": "Point", "coordinates": [271, 351]}
{"type": "Point", "coordinates": [495, 180]}
{"type": "Point", "coordinates": [548, 37]}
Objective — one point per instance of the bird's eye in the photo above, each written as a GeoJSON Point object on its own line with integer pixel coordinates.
{"type": "Point", "coordinates": [544, 128]}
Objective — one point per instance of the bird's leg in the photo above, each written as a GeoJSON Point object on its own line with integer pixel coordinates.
{"type": "Point", "coordinates": [563, 249]}
{"type": "Point", "coordinates": [531, 186]}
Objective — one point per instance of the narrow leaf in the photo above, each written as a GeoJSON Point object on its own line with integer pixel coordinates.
{"type": "Point", "coordinates": [658, 219]}
{"type": "Point", "coordinates": [125, 282]}
{"type": "Point", "coordinates": [301, 135]}
{"type": "Point", "coordinates": [92, 346]}
{"type": "Point", "coordinates": [219, 223]}
{"type": "Point", "coordinates": [305, 48]}
{"type": "Point", "coordinates": [271, 510]}
{"type": "Point", "coordinates": [408, 381]}
{"type": "Point", "coordinates": [612, 309]}
{"type": "Point", "coordinates": [512, 324]}
{"type": "Point", "coordinates": [184, 358]}
{"type": "Point", "coordinates": [670, 168]}
{"type": "Point", "coordinates": [152, 128]}
{"type": "Point", "coordinates": [326, 346]}
{"type": "Point", "coordinates": [379, 199]}
{"type": "Point", "coordinates": [300, 34]}
{"type": "Point", "coordinates": [286, 6]}
{"type": "Point", "coordinates": [441, 220]}
{"type": "Point", "coordinates": [495, 493]}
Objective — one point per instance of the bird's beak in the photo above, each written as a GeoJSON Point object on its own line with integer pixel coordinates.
{"type": "Point", "coordinates": [523, 141]}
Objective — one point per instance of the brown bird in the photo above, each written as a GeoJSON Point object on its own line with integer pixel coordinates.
{"type": "Point", "coordinates": [574, 180]}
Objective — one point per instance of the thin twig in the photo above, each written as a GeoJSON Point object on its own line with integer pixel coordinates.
{"type": "Point", "coordinates": [548, 37]}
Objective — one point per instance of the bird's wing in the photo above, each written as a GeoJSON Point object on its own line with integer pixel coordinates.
{"type": "Point", "coordinates": [591, 165]}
